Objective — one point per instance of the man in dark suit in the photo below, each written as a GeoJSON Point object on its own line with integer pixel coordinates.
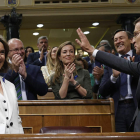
{"type": "Point", "coordinates": [111, 84]}
{"type": "Point", "coordinates": [118, 63]}
{"type": "Point", "coordinates": [39, 58]}
{"type": "Point", "coordinates": [98, 70]}
{"type": "Point", "coordinates": [30, 81]}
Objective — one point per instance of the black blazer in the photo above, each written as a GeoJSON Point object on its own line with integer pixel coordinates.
{"type": "Point", "coordinates": [107, 88]}
{"type": "Point", "coordinates": [126, 66]}
{"type": "Point", "coordinates": [34, 82]}
{"type": "Point", "coordinates": [33, 59]}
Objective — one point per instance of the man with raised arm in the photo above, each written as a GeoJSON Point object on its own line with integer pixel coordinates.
{"type": "Point", "coordinates": [118, 63]}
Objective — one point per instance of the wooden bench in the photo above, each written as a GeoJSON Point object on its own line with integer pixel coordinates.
{"type": "Point", "coordinates": [98, 114]}
{"type": "Point", "coordinates": [78, 136]}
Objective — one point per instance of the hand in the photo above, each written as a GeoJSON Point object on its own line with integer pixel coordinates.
{"type": "Point", "coordinates": [132, 59]}
{"type": "Point", "coordinates": [98, 72]}
{"type": "Point", "coordinates": [115, 73]}
{"type": "Point", "coordinates": [84, 43]}
{"type": "Point", "coordinates": [42, 54]}
{"type": "Point", "coordinates": [92, 59]}
{"type": "Point", "coordinates": [22, 70]}
{"type": "Point", "coordinates": [16, 61]}
{"type": "Point", "coordinates": [49, 49]}
{"type": "Point", "coordinates": [72, 79]}
{"type": "Point", "coordinates": [68, 70]}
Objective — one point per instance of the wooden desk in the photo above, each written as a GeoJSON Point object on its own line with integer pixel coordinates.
{"type": "Point", "coordinates": [78, 136]}
{"type": "Point", "coordinates": [90, 113]}
{"type": "Point", "coordinates": [48, 96]}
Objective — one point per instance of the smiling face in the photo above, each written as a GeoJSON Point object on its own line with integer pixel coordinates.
{"type": "Point", "coordinates": [67, 54]}
{"type": "Point", "coordinates": [136, 38]}
{"type": "Point", "coordinates": [16, 47]}
{"type": "Point", "coordinates": [2, 55]}
{"type": "Point", "coordinates": [53, 53]}
{"type": "Point", "coordinates": [122, 43]}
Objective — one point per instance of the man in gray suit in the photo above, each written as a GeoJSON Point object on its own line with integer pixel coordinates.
{"type": "Point", "coordinates": [118, 63]}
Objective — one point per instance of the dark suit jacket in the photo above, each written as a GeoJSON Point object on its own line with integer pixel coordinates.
{"type": "Point", "coordinates": [126, 66]}
{"type": "Point", "coordinates": [34, 82]}
{"type": "Point", "coordinates": [107, 88]}
{"type": "Point", "coordinates": [90, 65]}
{"type": "Point", "coordinates": [33, 59]}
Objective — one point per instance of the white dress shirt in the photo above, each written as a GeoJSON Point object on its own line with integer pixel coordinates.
{"type": "Point", "coordinates": [113, 79]}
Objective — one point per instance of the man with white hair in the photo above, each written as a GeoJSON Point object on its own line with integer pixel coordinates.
{"type": "Point", "coordinates": [28, 79]}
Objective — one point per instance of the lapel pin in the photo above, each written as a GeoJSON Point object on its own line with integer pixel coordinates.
{"type": "Point", "coordinates": [3, 79]}
{"type": "Point", "coordinates": [75, 77]}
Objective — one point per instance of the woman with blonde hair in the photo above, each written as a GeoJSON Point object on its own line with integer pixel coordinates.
{"type": "Point", "coordinates": [70, 80]}
{"type": "Point", "coordinates": [48, 70]}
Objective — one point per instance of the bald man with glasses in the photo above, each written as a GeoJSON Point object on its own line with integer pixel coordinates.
{"type": "Point", "coordinates": [28, 79]}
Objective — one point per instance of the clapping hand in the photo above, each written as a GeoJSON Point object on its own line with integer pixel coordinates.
{"type": "Point", "coordinates": [98, 72]}
{"type": "Point", "coordinates": [16, 61]}
{"type": "Point", "coordinates": [68, 70]}
{"type": "Point", "coordinates": [22, 70]}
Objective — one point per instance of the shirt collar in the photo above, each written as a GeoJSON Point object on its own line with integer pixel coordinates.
{"type": "Point", "coordinates": [130, 53]}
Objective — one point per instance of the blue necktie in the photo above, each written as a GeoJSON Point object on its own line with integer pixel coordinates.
{"type": "Point", "coordinates": [123, 83]}
{"type": "Point", "coordinates": [18, 87]}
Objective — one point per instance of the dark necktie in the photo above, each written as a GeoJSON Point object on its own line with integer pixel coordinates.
{"type": "Point", "coordinates": [18, 87]}
{"type": "Point", "coordinates": [123, 83]}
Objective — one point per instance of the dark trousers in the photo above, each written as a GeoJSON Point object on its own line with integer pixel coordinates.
{"type": "Point", "coordinates": [124, 116]}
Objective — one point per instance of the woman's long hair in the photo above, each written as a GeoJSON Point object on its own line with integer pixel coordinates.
{"type": "Point", "coordinates": [6, 65]}
{"type": "Point", "coordinates": [50, 64]}
{"type": "Point", "coordinates": [59, 67]}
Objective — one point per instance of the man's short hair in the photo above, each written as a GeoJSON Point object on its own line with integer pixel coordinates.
{"type": "Point", "coordinates": [130, 36]}
{"type": "Point", "coordinates": [106, 46]}
{"type": "Point", "coordinates": [42, 37]}
{"type": "Point", "coordinates": [136, 21]}
{"type": "Point", "coordinates": [105, 42]}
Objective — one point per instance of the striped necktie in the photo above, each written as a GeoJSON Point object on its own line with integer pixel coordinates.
{"type": "Point", "coordinates": [18, 87]}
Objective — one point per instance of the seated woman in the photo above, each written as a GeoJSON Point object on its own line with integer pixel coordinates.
{"type": "Point", "coordinates": [48, 70]}
{"type": "Point", "coordinates": [10, 122]}
{"type": "Point", "coordinates": [28, 50]}
{"type": "Point", "coordinates": [84, 65]}
{"type": "Point", "coordinates": [70, 81]}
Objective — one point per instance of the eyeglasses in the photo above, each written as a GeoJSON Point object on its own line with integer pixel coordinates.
{"type": "Point", "coordinates": [17, 50]}
{"type": "Point", "coordinates": [136, 34]}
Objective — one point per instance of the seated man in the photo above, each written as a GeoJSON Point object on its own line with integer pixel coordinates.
{"type": "Point", "coordinates": [28, 79]}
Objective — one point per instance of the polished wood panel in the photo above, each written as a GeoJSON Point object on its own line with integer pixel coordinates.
{"type": "Point", "coordinates": [78, 136]}
{"type": "Point", "coordinates": [95, 113]}
{"type": "Point", "coordinates": [48, 96]}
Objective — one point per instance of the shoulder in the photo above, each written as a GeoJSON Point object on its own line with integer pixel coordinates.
{"type": "Point", "coordinates": [30, 67]}
{"type": "Point", "coordinates": [33, 54]}
{"type": "Point", "coordinates": [8, 83]}
{"type": "Point", "coordinates": [44, 68]}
